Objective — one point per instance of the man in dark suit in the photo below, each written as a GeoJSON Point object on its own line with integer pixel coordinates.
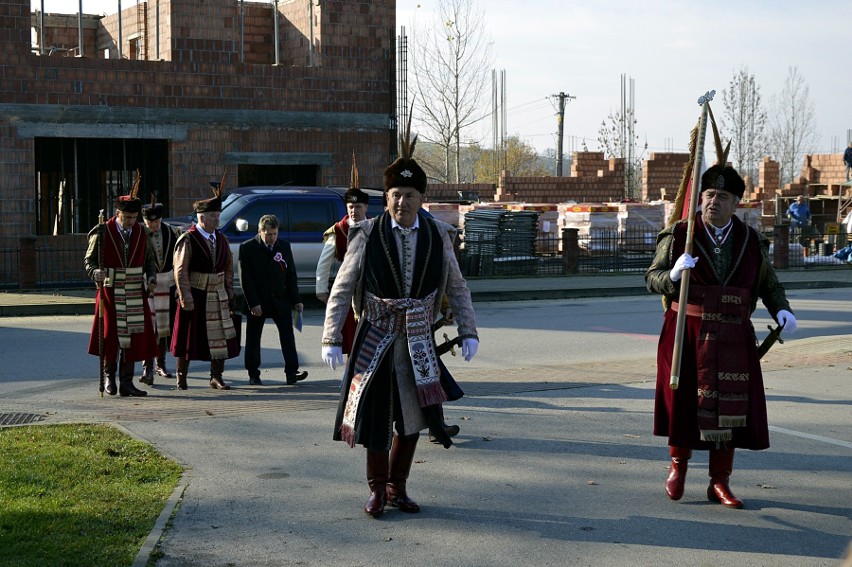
{"type": "Point", "coordinates": [270, 286]}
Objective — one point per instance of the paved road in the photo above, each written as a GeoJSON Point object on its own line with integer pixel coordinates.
{"type": "Point", "coordinates": [555, 464]}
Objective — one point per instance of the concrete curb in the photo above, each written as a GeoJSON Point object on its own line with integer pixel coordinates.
{"type": "Point", "coordinates": [481, 295]}
{"type": "Point", "coordinates": [143, 557]}
{"type": "Point", "coordinates": [153, 539]}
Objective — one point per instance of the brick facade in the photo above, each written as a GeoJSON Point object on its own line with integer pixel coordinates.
{"type": "Point", "coordinates": [210, 112]}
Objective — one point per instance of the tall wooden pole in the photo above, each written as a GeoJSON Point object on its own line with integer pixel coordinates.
{"type": "Point", "coordinates": [694, 195]}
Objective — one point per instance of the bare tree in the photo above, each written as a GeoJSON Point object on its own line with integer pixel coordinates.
{"type": "Point", "coordinates": [616, 139]}
{"type": "Point", "coordinates": [452, 69]}
{"type": "Point", "coordinates": [745, 120]}
{"type": "Point", "coordinates": [793, 130]}
{"type": "Point", "coordinates": [521, 161]}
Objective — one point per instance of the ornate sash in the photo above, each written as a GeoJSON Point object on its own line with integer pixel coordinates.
{"type": "Point", "coordinates": [160, 304]}
{"type": "Point", "coordinates": [220, 325]}
{"type": "Point", "coordinates": [723, 362]}
{"type": "Point", "coordinates": [127, 284]}
{"type": "Point", "coordinates": [387, 318]}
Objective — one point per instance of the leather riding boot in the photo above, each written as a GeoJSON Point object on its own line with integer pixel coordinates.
{"type": "Point", "coordinates": [377, 478]}
{"type": "Point", "coordinates": [217, 366]}
{"type": "Point", "coordinates": [401, 457]}
{"type": "Point", "coordinates": [109, 378]}
{"type": "Point", "coordinates": [721, 466]}
{"type": "Point", "coordinates": [147, 372]}
{"type": "Point", "coordinates": [182, 371]}
{"type": "Point", "coordinates": [677, 472]}
{"type": "Point", "coordinates": [161, 359]}
{"type": "Point", "coordinates": [125, 381]}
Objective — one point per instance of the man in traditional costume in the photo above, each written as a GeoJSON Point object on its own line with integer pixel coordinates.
{"type": "Point", "coordinates": [204, 327]}
{"type": "Point", "coordinates": [719, 404]}
{"type": "Point", "coordinates": [120, 260]}
{"type": "Point", "coordinates": [335, 240]}
{"type": "Point", "coordinates": [396, 270]}
{"type": "Point", "coordinates": [163, 238]}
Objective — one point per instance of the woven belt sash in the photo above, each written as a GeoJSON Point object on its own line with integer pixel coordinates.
{"type": "Point", "coordinates": [220, 325]}
{"type": "Point", "coordinates": [128, 291]}
{"type": "Point", "coordinates": [387, 318]}
{"type": "Point", "coordinates": [160, 304]}
{"type": "Point", "coordinates": [722, 363]}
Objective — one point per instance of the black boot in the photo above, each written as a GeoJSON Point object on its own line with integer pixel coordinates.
{"type": "Point", "coordinates": [182, 371]}
{"type": "Point", "coordinates": [377, 478]}
{"type": "Point", "coordinates": [125, 382]}
{"type": "Point", "coordinates": [109, 378]}
{"type": "Point", "coordinates": [401, 457]}
{"type": "Point", "coordinates": [147, 372]}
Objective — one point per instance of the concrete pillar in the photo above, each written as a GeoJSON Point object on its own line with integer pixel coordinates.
{"type": "Point", "coordinates": [27, 263]}
{"type": "Point", "coordinates": [781, 246]}
{"type": "Point", "coordinates": [570, 250]}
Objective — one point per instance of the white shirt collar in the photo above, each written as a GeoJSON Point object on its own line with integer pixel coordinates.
{"type": "Point", "coordinates": [204, 233]}
{"type": "Point", "coordinates": [718, 230]}
{"type": "Point", "coordinates": [416, 224]}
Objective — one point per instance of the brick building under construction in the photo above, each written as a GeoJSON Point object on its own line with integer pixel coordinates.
{"type": "Point", "coordinates": [184, 91]}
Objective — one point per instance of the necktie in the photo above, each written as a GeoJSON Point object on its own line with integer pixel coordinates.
{"type": "Point", "coordinates": [407, 265]}
{"type": "Point", "coordinates": [212, 242]}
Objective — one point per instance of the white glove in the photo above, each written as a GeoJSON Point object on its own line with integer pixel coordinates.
{"type": "Point", "coordinates": [685, 262]}
{"type": "Point", "coordinates": [332, 355]}
{"type": "Point", "coordinates": [787, 319]}
{"type": "Point", "coordinates": [469, 347]}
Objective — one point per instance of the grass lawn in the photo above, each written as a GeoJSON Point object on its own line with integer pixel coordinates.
{"type": "Point", "coordinates": [78, 495]}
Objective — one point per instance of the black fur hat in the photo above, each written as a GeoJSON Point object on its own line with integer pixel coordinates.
{"type": "Point", "coordinates": [405, 172]}
{"type": "Point", "coordinates": [723, 177]}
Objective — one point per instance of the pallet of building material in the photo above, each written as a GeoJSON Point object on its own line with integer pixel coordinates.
{"type": "Point", "coordinates": [445, 212]}
{"type": "Point", "coordinates": [751, 214]}
{"type": "Point", "coordinates": [491, 234]}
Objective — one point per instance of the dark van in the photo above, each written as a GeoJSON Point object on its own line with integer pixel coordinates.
{"type": "Point", "coordinates": [304, 213]}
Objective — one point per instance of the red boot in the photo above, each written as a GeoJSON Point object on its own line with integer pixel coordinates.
{"type": "Point", "coordinates": [377, 478]}
{"type": "Point", "coordinates": [677, 472]}
{"type": "Point", "coordinates": [721, 466]}
{"type": "Point", "coordinates": [401, 457]}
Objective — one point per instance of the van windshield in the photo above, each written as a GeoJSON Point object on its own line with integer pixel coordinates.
{"type": "Point", "coordinates": [232, 205]}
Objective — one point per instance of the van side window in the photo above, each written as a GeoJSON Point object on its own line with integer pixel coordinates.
{"type": "Point", "coordinates": [312, 216]}
{"type": "Point", "coordinates": [252, 215]}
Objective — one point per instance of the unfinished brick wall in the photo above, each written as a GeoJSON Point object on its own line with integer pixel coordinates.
{"type": "Point", "coordinates": [825, 169]}
{"type": "Point", "coordinates": [593, 179]}
{"type": "Point", "coordinates": [62, 34]}
{"type": "Point", "coordinates": [207, 105]}
{"type": "Point", "coordinates": [661, 175]}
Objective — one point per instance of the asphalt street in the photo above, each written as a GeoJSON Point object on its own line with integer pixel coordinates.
{"type": "Point", "coordinates": [554, 465]}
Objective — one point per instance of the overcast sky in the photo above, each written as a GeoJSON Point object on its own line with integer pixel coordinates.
{"type": "Point", "coordinates": [675, 50]}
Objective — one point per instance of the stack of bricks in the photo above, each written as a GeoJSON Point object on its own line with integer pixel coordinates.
{"type": "Point", "coordinates": [597, 224]}
{"type": "Point", "coordinates": [824, 169]}
{"type": "Point", "coordinates": [639, 224]}
{"type": "Point", "coordinates": [769, 179]}
{"type": "Point", "coordinates": [593, 179]}
{"type": "Point", "coordinates": [661, 175]}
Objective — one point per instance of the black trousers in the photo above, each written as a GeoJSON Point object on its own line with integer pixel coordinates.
{"type": "Point", "coordinates": [254, 329]}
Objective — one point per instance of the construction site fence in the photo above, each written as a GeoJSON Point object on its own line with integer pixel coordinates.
{"type": "Point", "coordinates": [54, 262]}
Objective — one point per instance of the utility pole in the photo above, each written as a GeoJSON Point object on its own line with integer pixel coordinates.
{"type": "Point", "coordinates": [560, 114]}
